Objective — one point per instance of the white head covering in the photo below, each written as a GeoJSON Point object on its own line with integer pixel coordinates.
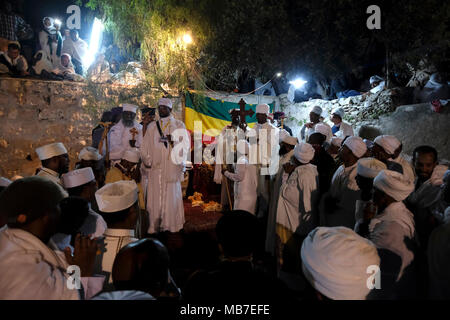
{"type": "Point", "coordinates": [165, 102]}
{"type": "Point", "coordinates": [129, 107]}
{"type": "Point", "coordinates": [335, 141]}
{"type": "Point", "coordinates": [356, 145]}
{"type": "Point", "coordinates": [321, 128]}
{"type": "Point", "coordinates": [89, 153]}
{"type": "Point", "coordinates": [51, 150]}
{"type": "Point", "coordinates": [304, 152]}
{"type": "Point", "coordinates": [339, 111]}
{"type": "Point", "coordinates": [335, 261]}
{"type": "Point", "coordinates": [317, 110]}
{"type": "Point", "coordinates": [394, 184]}
{"type": "Point", "coordinates": [388, 143]}
{"type": "Point", "coordinates": [290, 140]}
{"type": "Point", "coordinates": [263, 108]}
{"type": "Point", "coordinates": [132, 155]}
{"type": "Point", "coordinates": [43, 64]}
{"type": "Point", "coordinates": [231, 110]}
{"type": "Point", "coordinates": [117, 196]}
{"type": "Point", "coordinates": [77, 177]}
{"type": "Point", "coordinates": [375, 79]}
{"type": "Point", "coordinates": [369, 167]}
{"type": "Point", "coordinates": [4, 182]}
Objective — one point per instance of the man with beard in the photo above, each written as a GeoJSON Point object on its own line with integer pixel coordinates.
{"type": "Point", "coordinates": [125, 135]}
{"type": "Point", "coordinates": [54, 160]}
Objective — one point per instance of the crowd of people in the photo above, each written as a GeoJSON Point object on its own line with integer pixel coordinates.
{"type": "Point", "coordinates": [342, 218]}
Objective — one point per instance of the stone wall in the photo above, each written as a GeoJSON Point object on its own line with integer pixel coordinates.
{"type": "Point", "coordinates": [35, 112]}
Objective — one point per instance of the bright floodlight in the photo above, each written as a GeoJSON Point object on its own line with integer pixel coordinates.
{"type": "Point", "coordinates": [94, 43]}
{"type": "Point", "coordinates": [298, 83]}
{"type": "Point", "coordinates": [278, 74]}
{"type": "Point", "coordinates": [57, 22]}
{"type": "Point", "coordinates": [187, 38]}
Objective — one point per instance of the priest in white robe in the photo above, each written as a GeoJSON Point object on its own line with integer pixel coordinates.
{"type": "Point", "coordinates": [309, 128]}
{"type": "Point", "coordinates": [164, 151]}
{"type": "Point", "coordinates": [55, 162]}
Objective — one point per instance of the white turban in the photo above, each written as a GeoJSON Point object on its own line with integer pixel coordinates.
{"type": "Point", "coordinates": [394, 184]}
{"type": "Point", "coordinates": [129, 107]}
{"type": "Point", "coordinates": [132, 155]}
{"type": "Point", "coordinates": [304, 152]}
{"type": "Point", "coordinates": [388, 143]}
{"type": "Point", "coordinates": [356, 145]}
{"type": "Point", "coordinates": [51, 150]}
{"type": "Point", "coordinates": [375, 79]}
{"type": "Point", "coordinates": [317, 110]}
{"type": "Point", "coordinates": [322, 128]}
{"type": "Point", "coordinates": [339, 111]}
{"type": "Point", "coordinates": [335, 141]}
{"type": "Point", "coordinates": [369, 167]}
{"type": "Point", "coordinates": [4, 182]}
{"type": "Point", "coordinates": [232, 110]}
{"type": "Point", "coordinates": [165, 102]}
{"type": "Point", "coordinates": [336, 260]}
{"type": "Point", "coordinates": [117, 196]}
{"type": "Point", "coordinates": [89, 153]}
{"type": "Point", "coordinates": [77, 177]}
{"type": "Point", "coordinates": [290, 140]}
{"type": "Point", "coordinates": [263, 108]}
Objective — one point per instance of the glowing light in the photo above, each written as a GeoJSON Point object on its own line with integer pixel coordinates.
{"type": "Point", "coordinates": [278, 74]}
{"type": "Point", "coordinates": [187, 38]}
{"type": "Point", "coordinates": [57, 22]}
{"type": "Point", "coordinates": [298, 83]}
{"type": "Point", "coordinates": [94, 43]}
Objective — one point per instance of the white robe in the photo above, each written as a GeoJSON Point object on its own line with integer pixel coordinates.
{"type": "Point", "coordinates": [53, 176]}
{"type": "Point", "coordinates": [30, 270]}
{"type": "Point", "coordinates": [164, 197]}
{"type": "Point", "coordinates": [280, 179]}
{"type": "Point", "coordinates": [245, 184]}
{"type": "Point", "coordinates": [345, 189]}
{"type": "Point", "coordinates": [119, 139]}
{"type": "Point", "coordinates": [297, 203]}
{"type": "Point", "coordinates": [408, 170]}
{"type": "Point", "coordinates": [77, 49]}
{"type": "Point", "coordinates": [43, 41]}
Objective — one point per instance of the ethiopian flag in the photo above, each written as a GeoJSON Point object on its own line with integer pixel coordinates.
{"type": "Point", "coordinates": [212, 114]}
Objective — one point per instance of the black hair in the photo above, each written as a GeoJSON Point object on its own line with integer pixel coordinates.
{"type": "Point", "coordinates": [322, 138]}
{"type": "Point", "coordinates": [425, 149]}
{"type": "Point", "coordinates": [112, 218]}
{"type": "Point", "coordinates": [107, 116]}
{"type": "Point", "coordinates": [13, 46]}
{"type": "Point", "coordinates": [74, 211]}
{"type": "Point", "coordinates": [237, 232]}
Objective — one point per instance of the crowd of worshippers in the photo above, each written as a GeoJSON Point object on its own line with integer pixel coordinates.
{"type": "Point", "coordinates": [343, 218]}
{"type": "Point", "coordinates": [54, 56]}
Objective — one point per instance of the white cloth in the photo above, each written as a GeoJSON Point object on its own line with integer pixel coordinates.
{"type": "Point", "coordinates": [306, 132]}
{"type": "Point", "coordinates": [30, 270]}
{"type": "Point", "coordinates": [317, 110]}
{"type": "Point", "coordinates": [245, 185]}
{"type": "Point", "coordinates": [335, 261]}
{"type": "Point", "coordinates": [115, 239]}
{"type": "Point", "coordinates": [339, 111]}
{"type": "Point", "coordinates": [89, 153]}
{"type": "Point", "coordinates": [51, 175]}
{"type": "Point", "coordinates": [290, 140]}
{"type": "Point", "coordinates": [165, 102]}
{"type": "Point", "coordinates": [20, 62]}
{"type": "Point", "coordinates": [129, 107]}
{"type": "Point", "coordinates": [321, 128]}
{"type": "Point", "coordinates": [335, 141]}
{"type": "Point", "coordinates": [304, 152]}
{"type": "Point", "coordinates": [263, 108]}
{"type": "Point", "coordinates": [77, 49]}
{"type": "Point", "coordinates": [164, 196]}
{"type": "Point", "coordinates": [43, 41]}
{"type": "Point", "coordinates": [77, 177]}
{"type": "Point", "coordinates": [408, 170]}
{"type": "Point", "coordinates": [119, 139]}
{"type": "Point", "coordinates": [270, 133]}
{"type": "Point", "coordinates": [43, 64]}
{"type": "Point", "coordinates": [394, 184]}
{"type": "Point", "coordinates": [379, 87]}
{"type": "Point", "coordinates": [117, 196]}
{"type": "Point", "coordinates": [124, 295]}
{"type": "Point", "coordinates": [388, 143]}
{"type": "Point", "coordinates": [345, 130]}
{"type": "Point", "coordinates": [51, 150]}
{"type": "Point", "coordinates": [297, 202]}
{"type": "Point", "coordinates": [356, 145]}
{"type": "Point", "coordinates": [93, 225]}
{"type": "Point", "coordinates": [65, 70]}
{"type": "Point", "coordinates": [132, 155]}
{"type": "Point", "coordinates": [369, 167]}
{"type": "Point", "coordinates": [375, 79]}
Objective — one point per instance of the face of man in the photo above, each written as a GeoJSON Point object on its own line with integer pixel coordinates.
{"type": "Point", "coordinates": [63, 163]}
{"type": "Point", "coordinates": [13, 53]}
{"type": "Point", "coordinates": [164, 111]}
{"type": "Point", "coordinates": [424, 165]}
{"type": "Point", "coordinates": [375, 84]}
{"type": "Point", "coordinates": [74, 35]}
{"type": "Point", "coordinates": [379, 153]}
{"type": "Point", "coordinates": [235, 118]}
{"type": "Point", "coordinates": [65, 61]}
{"type": "Point", "coordinates": [261, 118]}
{"type": "Point", "coordinates": [345, 154]}
{"type": "Point", "coordinates": [336, 119]}
{"type": "Point", "coordinates": [128, 118]}
{"type": "Point", "coordinates": [47, 22]}
{"type": "Point", "coordinates": [314, 118]}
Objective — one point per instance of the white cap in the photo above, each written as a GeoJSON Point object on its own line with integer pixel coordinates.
{"type": "Point", "coordinates": [235, 109]}
{"type": "Point", "coordinates": [51, 150]}
{"type": "Point", "coordinates": [317, 110]}
{"type": "Point", "coordinates": [304, 152]}
{"type": "Point", "coordinates": [388, 143]}
{"type": "Point", "coordinates": [165, 102]}
{"type": "Point", "coordinates": [117, 196]}
{"type": "Point", "coordinates": [290, 140]}
{"type": "Point", "coordinates": [394, 184]}
{"type": "Point", "coordinates": [356, 145]}
{"type": "Point", "coordinates": [335, 262]}
{"type": "Point", "coordinates": [321, 128]}
{"type": "Point", "coordinates": [77, 177]}
{"type": "Point", "coordinates": [335, 141]}
{"type": "Point", "coordinates": [4, 182]}
{"type": "Point", "coordinates": [129, 107]}
{"type": "Point", "coordinates": [132, 155]}
{"type": "Point", "coordinates": [339, 111]}
{"type": "Point", "coordinates": [263, 108]}
{"type": "Point", "coordinates": [375, 79]}
{"type": "Point", "coordinates": [89, 153]}
{"type": "Point", "coordinates": [369, 167]}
